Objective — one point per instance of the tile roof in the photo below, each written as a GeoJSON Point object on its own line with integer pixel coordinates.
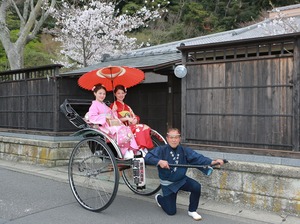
{"type": "Point", "coordinates": [141, 61]}
{"type": "Point", "coordinates": [286, 7]}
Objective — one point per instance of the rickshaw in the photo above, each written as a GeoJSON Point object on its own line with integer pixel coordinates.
{"type": "Point", "coordinates": [96, 162]}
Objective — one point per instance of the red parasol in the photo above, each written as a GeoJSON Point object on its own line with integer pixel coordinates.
{"type": "Point", "coordinates": [111, 76]}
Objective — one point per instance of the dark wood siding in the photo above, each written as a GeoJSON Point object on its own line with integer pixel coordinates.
{"type": "Point", "coordinates": [149, 101]}
{"type": "Point", "coordinates": [242, 103]}
{"type": "Point", "coordinates": [28, 99]}
{"type": "Point", "coordinates": [175, 113]}
{"type": "Point", "coordinates": [243, 95]}
{"type": "Point", "coordinates": [69, 89]}
{"type": "Point", "coordinates": [31, 102]}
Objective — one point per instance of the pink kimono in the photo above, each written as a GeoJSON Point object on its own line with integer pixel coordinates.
{"type": "Point", "coordinates": [99, 113]}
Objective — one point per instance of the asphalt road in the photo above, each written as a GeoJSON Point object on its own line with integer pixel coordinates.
{"type": "Point", "coordinates": [29, 199]}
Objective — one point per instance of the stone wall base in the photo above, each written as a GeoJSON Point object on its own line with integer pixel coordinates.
{"type": "Point", "coordinates": [268, 187]}
{"type": "Point", "coordinates": [46, 153]}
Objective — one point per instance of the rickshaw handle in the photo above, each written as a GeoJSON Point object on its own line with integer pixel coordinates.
{"type": "Point", "coordinates": [195, 166]}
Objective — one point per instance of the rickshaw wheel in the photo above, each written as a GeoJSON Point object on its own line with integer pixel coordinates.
{"type": "Point", "coordinates": [152, 180]}
{"type": "Point", "coordinates": [93, 174]}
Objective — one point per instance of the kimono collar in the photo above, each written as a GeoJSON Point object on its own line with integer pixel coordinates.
{"type": "Point", "coordinates": [173, 148]}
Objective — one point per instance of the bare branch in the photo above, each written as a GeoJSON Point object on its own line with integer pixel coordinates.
{"type": "Point", "coordinates": [39, 24]}
{"type": "Point", "coordinates": [22, 20]}
{"type": "Point", "coordinates": [4, 34]}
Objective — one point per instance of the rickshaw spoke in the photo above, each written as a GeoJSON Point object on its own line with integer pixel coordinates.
{"type": "Point", "coordinates": [93, 174]}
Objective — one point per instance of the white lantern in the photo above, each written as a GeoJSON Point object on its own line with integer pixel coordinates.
{"type": "Point", "coordinates": [180, 71]}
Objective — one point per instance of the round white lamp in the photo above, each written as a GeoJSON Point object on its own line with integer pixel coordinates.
{"type": "Point", "coordinates": [180, 71]}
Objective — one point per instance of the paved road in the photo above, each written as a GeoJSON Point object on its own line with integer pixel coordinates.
{"type": "Point", "coordinates": [30, 198]}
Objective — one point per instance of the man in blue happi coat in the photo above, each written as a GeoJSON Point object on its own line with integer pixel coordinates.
{"type": "Point", "coordinates": [173, 179]}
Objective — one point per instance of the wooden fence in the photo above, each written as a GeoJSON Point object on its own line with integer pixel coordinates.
{"type": "Point", "coordinates": [243, 94]}
{"type": "Point", "coordinates": [30, 100]}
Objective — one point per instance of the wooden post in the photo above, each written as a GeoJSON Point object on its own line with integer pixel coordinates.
{"type": "Point", "coordinates": [170, 101]}
{"type": "Point", "coordinates": [56, 111]}
{"type": "Point", "coordinates": [296, 97]}
{"type": "Point", "coordinates": [183, 101]}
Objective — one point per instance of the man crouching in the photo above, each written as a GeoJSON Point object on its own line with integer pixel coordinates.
{"type": "Point", "coordinates": [173, 179]}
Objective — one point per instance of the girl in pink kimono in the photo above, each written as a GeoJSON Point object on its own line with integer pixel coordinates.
{"type": "Point", "coordinates": [99, 113]}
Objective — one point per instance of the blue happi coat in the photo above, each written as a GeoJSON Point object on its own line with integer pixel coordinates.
{"type": "Point", "coordinates": [174, 178]}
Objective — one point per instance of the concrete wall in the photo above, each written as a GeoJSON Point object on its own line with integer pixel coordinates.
{"type": "Point", "coordinates": [263, 186]}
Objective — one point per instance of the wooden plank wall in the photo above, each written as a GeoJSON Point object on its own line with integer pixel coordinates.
{"type": "Point", "coordinates": [27, 104]}
{"type": "Point", "coordinates": [240, 103]}
{"type": "Point", "coordinates": [32, 105]}
{"type": "Point", "coordinates": [149, 101]}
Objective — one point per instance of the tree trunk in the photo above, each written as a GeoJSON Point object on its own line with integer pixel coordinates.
{"type": "Point", "coordinates": [31, 21]}
{"type": "Point", "coordinates": [15, 57]}
{"type": "Point", "coordinates": [14, 51]}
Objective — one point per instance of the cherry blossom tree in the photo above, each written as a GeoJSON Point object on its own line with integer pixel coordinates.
{"type": "Point", "coordinates": [32, 15]}
{"type": "Point", "coordinates": [89, 33]}
{"type": "Point", "coordinates": [280, 23]}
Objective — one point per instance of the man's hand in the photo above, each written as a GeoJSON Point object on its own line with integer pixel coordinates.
{"type": "Point", "coordinates": [217, 162]}
{"type": "Point", "coordinates": [163, 164]}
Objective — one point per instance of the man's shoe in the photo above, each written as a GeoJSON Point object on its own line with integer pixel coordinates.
{"type": "Point", "coordinates": [195, 216]}
{"type": "Point", "coordinates": [156, 199]}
